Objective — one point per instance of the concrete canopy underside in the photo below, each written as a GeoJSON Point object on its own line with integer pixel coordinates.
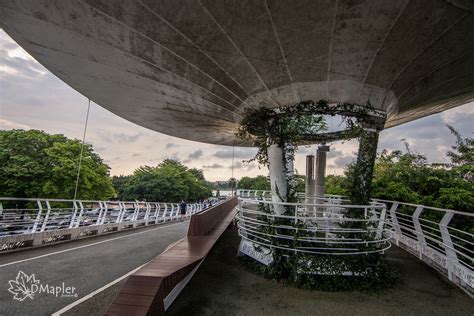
{"type": "Point", "coordinates": [191, 68]}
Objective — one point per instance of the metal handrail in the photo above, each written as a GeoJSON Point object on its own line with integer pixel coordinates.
{"type": "Point", "coordinates": [254, 226]}
{"type": "Point", "coordinates": [26, 221]}
{"type": "Point", "coordinates": [449, 249]}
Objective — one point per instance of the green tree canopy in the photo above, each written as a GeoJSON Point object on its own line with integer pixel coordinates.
{"type": "Point", "coordinates": [462, 155]}
{"type": "Point", "coordinates": [36, 164]}
{"type": "Point", "coordinates": [257, 183]}
{"type": "Point", "coordinates": [407, 177]}
{"type": "Point", "coordinates": [170, 181]}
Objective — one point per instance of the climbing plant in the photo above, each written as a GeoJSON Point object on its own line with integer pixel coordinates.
{"type": "Point", "coordinates": [303, 123]}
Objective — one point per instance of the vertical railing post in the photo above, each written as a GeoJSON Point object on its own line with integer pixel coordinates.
{"type": "Point", "coordinates": [452, 257]}
{"type": "Point", "coordinates": [420, 237]}
{"type": "Point", "coordinates": [147, 212]}
{"type": "Point", "coordinates": [118, 220]}
{"type": "Point", "coordinates": [79, 218]}
{"type": "Point", "coordinates": [104, 215]}
{"type": "Point", "coordinates": [38, 217]}
{"type": "Point", "coordinates": [157, 212]}
{"type": "Point", "coordinates": [125, 210]}
{"type": "Point", "coordinates": [394, 220]}
{"type": "Point", "coordinates": [136, 211]}
{"type": "Point", "coordinates": [381, 221]}
{"type": "Point", "coordinates": [164, 212]}
{"type": "Point", "coordinates": [177, 212]}
{"type": "Point", "coordinates": [171, 211]}
{"type": "Point", "coordinates": [100, 214]}
{"type": "Point", "coordinates": [73, 217]}
{"type": "Point", "coordinates": [45, 220]}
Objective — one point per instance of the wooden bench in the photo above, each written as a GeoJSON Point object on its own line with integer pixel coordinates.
{"type": "Point", "coordinates": [151, 289]}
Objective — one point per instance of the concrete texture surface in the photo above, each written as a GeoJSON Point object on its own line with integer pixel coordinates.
{"type": "Point", "coordinates": [86, 269]}
{"type": "Point", "coordinates": [189, 68]}
{"type": "Point", "coordinates": [222, 286]}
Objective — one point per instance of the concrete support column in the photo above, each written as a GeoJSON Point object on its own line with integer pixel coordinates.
{"type": "Point", "coordinates": [290, 174]}
{"type": "Point", "coordinates": [310, 185]}
{"type": "Point", "coordinates": [321, 154]}
{"type": "Point", "coordinates": [278, 183]}
{"type": "Point", "coordinates": [364, 169]}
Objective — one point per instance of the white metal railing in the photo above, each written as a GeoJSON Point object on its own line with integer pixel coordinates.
{"type": "Point", "coordinates": [442, 238]}
{"type": "Point", "coordinates": [314, 228]}
{"type": "Point", "coordinates": [267, 195]}
{"type": "Point", "coordinates": [30, 222]}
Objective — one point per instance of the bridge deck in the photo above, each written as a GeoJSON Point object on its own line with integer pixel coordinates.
{"type": "Point", "coordinates": [85, 264]}
{"type": "Point", "coordinates": [231, 290]}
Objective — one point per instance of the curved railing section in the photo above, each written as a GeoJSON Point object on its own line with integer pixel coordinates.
{"type": "Point", "coordinates": [33, 222]}
{"type": "Point", "coordinates": [442, 238]}
{"type": "Point", "coordinates": [319, 228]}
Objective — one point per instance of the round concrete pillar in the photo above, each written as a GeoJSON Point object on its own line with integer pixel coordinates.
{"type": "Point", "coordinates": [277, 170]}
{"type": "Point", "coordinates": [321, 154]}
{"type": "Point", "coordinates": [310, 184]}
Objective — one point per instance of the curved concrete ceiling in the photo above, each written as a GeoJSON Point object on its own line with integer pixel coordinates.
{"type": "Point", "coordinates": [190, 68]}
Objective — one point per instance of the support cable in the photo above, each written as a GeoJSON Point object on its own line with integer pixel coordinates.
{"type": "Point", "coordinates": [82, 149]}
{"type": "Point", "coordinates": [232, 177]}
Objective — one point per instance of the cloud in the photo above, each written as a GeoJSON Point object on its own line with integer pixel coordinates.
{"type": "Point", "coordinates": [343, 161]}
{"type": "Point", "coordinates": [171, 145]}
{"type": "Point", "coordinates": [239, 152]}
{"type": "Point", "coordinates": [243, 166]}
{"type": "Point", "coordinates": [6, 124]}
{"type": "Point", "coordinates": [195, 155]}
{"type": "Point", "coordinates": [334, 153]}
{"type": "Point", "coordinates": [124, 138]}
{"type": "Point", "coordinates": [213, 166]}
{"type": "Point", "coordinates": [429, 135]}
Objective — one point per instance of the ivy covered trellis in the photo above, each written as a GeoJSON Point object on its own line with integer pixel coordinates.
{"type": "Point", "coordinates": [277, 132]}
{"type": "Point", "coordinates": [286, 127]}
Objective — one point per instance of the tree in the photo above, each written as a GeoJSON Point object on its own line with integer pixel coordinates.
{"type": "Point", "coordinates": [335, 185]}
{"type": "Point", "coordinates": [462, 155]}
{"type": "Point", "coordinates": [407, 177]}
{"type": "Point", "coordinates": [36, 164]}
{"type": "Point", "coordinates": [170, 181]}
{"type": "Point", "coordinates": [257, 183]}
{"type": "Point", "coordinates": [119, 183]}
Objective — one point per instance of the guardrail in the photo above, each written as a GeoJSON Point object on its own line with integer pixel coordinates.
{"type": "Point", "coordinates": [322, 229]}
{"type": "Point", "coordinates": [441, 238]}
{"type": "Point", "coordinates": [34, 222]}
{"type": "Point", "coordinates": [267, 195]}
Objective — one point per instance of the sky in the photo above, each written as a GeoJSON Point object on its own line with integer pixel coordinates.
{"type": "Point", "coordinates": [33, 98]}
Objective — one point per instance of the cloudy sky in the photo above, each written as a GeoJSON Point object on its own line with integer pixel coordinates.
{"type": "Point", "coordinates": [33, 98]}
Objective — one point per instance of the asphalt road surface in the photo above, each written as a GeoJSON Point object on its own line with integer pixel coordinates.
{"type": "Point", "coordinates": [85, 265]}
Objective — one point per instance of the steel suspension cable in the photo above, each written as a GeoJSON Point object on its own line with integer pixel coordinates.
{"type": "Point", "coordinates": [232, 177]}
{"type": "Point", "coordinates": [82, 150]}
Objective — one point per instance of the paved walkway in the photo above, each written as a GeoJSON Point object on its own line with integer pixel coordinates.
{"type": "Point", "coordinates": [86, 264]}
{"type": "Point", "coordinates": [222, 287]}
